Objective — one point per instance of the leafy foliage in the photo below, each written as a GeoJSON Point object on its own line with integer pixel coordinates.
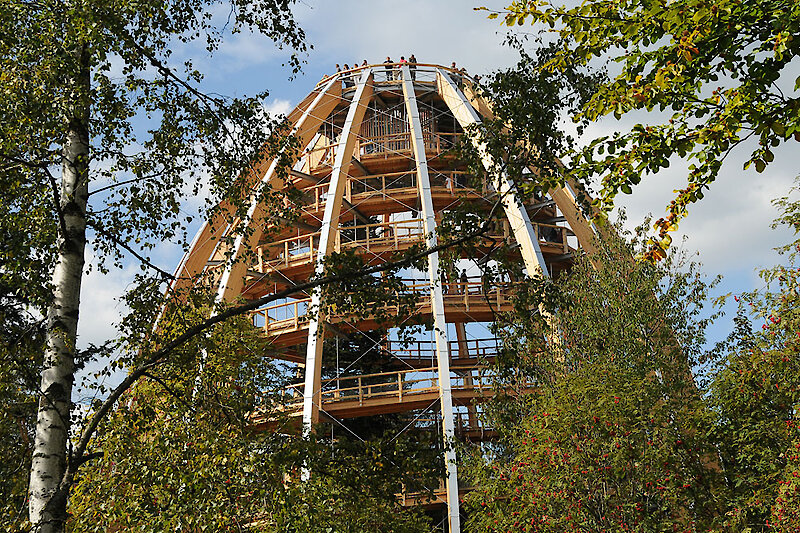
{"type": "Point", "coordinates": [20, 357]}
{"type": "Point", "coordinates": [755, 396]}
{"type": "Point", "coordinates": [529, 102]}
{"type": "Point", "coordinates": [608, 441]}
{"type": "Point", "coordinates": [717, 66]}
{"type": "Point", "coordinates": [106, 78]}
{"type": "Point", "coordinates": [182, 452]}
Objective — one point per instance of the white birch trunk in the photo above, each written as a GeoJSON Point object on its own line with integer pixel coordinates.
{"type": "Point", "coordinates": [48, 494]}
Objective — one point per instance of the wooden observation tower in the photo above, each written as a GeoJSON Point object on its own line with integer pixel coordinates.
{"type": "Point", "coordinates": [376, 173]}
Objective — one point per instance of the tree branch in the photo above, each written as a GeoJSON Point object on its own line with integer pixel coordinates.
{"type": "Point", "coordinates": [156, 358]}
{"type": "Point", "coordinates": [164, 274]}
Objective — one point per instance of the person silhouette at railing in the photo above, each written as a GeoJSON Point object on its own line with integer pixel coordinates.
{"type": "Point", "coordinates": [455, 74]}
{"type": "Point", "coordinates": [346, 78]}
{"type": "Point", "coordinates": [412, 65]}
{"type": "Point", "coordinates": [485, 282]}
{"type": "Point", "coordinates": [387, 65]}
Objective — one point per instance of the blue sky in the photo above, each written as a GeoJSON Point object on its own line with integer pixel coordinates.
{"type": "Point", "coordinates": [729, 228]}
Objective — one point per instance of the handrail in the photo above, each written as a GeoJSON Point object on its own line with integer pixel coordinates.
{"type": "Point", "coordinates": [395, 382]}
{"type": "Point", "coordinates": [370, 146]}
{"type": "Point", "coordinates": [295, 312]}
{"type": "Point", "coordinates": [426, 349]}
{"type": "Point", "coordinates": [303, 247]}
{"type": "Point", "coordinates": [387, 181]}
{"type": "Point", "coordinates": [414, 223]}
{"type": "Point", "coordinates": [463, 421]}
{"type": "Point", "coordinates": [392, 234]}
{"type": "Point", "coordinates": [425, 67]}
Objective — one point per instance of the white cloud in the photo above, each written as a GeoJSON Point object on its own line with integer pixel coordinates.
{"type": "Point", "coordinates": [100, 308]}
{"type": "Point", "coordinates": [278, 106]}
{"type": "Point", "coordinates": [435, 32]}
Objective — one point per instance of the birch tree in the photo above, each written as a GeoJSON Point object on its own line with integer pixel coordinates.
{"type": "Point", "coordinates": [107, 131]}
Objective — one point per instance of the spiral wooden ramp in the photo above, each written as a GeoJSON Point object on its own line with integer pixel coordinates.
{"type": "Point", "coordinates": [375, 174]}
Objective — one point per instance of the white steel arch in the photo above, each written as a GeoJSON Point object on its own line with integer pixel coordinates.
{"type": "Point", "coordinates": [437, 302]}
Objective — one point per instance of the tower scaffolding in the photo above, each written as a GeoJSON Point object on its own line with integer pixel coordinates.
{"type": "Point", "coordinates": [375, 174]}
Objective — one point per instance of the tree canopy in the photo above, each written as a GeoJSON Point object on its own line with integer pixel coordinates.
{"type": "Point", "coordinates": [620, 435]}
{"type": "Point", "coordinates": [103, 132]}
{"type": "Point", "coordinates": [718, 70]}
{"type": "Point", "coordinates": [608, 440]}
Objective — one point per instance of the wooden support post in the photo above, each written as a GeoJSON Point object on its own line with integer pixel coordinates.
{"type": "Point", "coordinates": [461, 336]}
{"type": "Point", "coordinates": [328, 237]}
{"type": "Point", "coordinates": [437, 301]}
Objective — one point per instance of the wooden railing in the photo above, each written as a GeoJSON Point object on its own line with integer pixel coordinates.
{"type": "Point", "coordinates": [423, 73]}
{"type": "Point", "coordinates": [302, 248]}
{"type": "Point", "coordinates": [359, 188]}
{"type": "Point", "coordinates": [293, 315]}
{"type": "Point", "coordinates": [461, 420]}
{"type": "Point", "coordinates": [385, 145]}
{"type": "Point", "coordinates": [552, 234]}
{"type": "Point", "coordinates": [471, 293]}
{"type": "Point", "coordinates": [397, 384]}
{"type": "Point", "coordinates": [377, 238]}
{"type": "Point", "coordinates": [425, 350]}
{"type": "Point", "coordinates": [383, 184]}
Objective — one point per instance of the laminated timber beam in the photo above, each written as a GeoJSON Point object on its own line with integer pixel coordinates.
{"type": "Point", "coordinates": [232, 279]}
{"type": "Point", "coordinates": [437, 301]}
{"type": "Point", "coordinates": [305, 120]}
{"type": "Point", "coordinates": [327, 238]}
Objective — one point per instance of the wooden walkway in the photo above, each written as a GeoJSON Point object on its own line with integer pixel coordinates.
{"type": "Point", "coordinates": [286, 324]}
{"type": "Point", "coordinates": [388, 392]}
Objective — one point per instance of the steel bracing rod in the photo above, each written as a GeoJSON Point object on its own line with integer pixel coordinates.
{"type": "Point", "coordinates": [515, 212]}
{"type": "Point", "coordinates": [232, 278]}
{"type": "Point", "coordinates": [437, 301]}
{"type": "Point", "coordinates": [327, 240]}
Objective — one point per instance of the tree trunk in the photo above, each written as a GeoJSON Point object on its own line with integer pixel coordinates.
{"type": "Point", "coordinates": [48, 493]}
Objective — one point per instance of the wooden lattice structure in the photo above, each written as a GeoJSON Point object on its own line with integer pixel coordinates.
{"type": "Point", "coordinates": [376, 173]}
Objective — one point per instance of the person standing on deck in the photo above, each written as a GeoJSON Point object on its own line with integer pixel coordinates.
{"type": "Point", "coordinates": [388, 66]}
{"type": "Point", "coordinates": [348, 82]}
{"type": "Point", "coordinates": [412, 65]}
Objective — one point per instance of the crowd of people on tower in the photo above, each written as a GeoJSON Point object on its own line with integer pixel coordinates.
{"type": "Point", "coordinates": [391, 69]}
